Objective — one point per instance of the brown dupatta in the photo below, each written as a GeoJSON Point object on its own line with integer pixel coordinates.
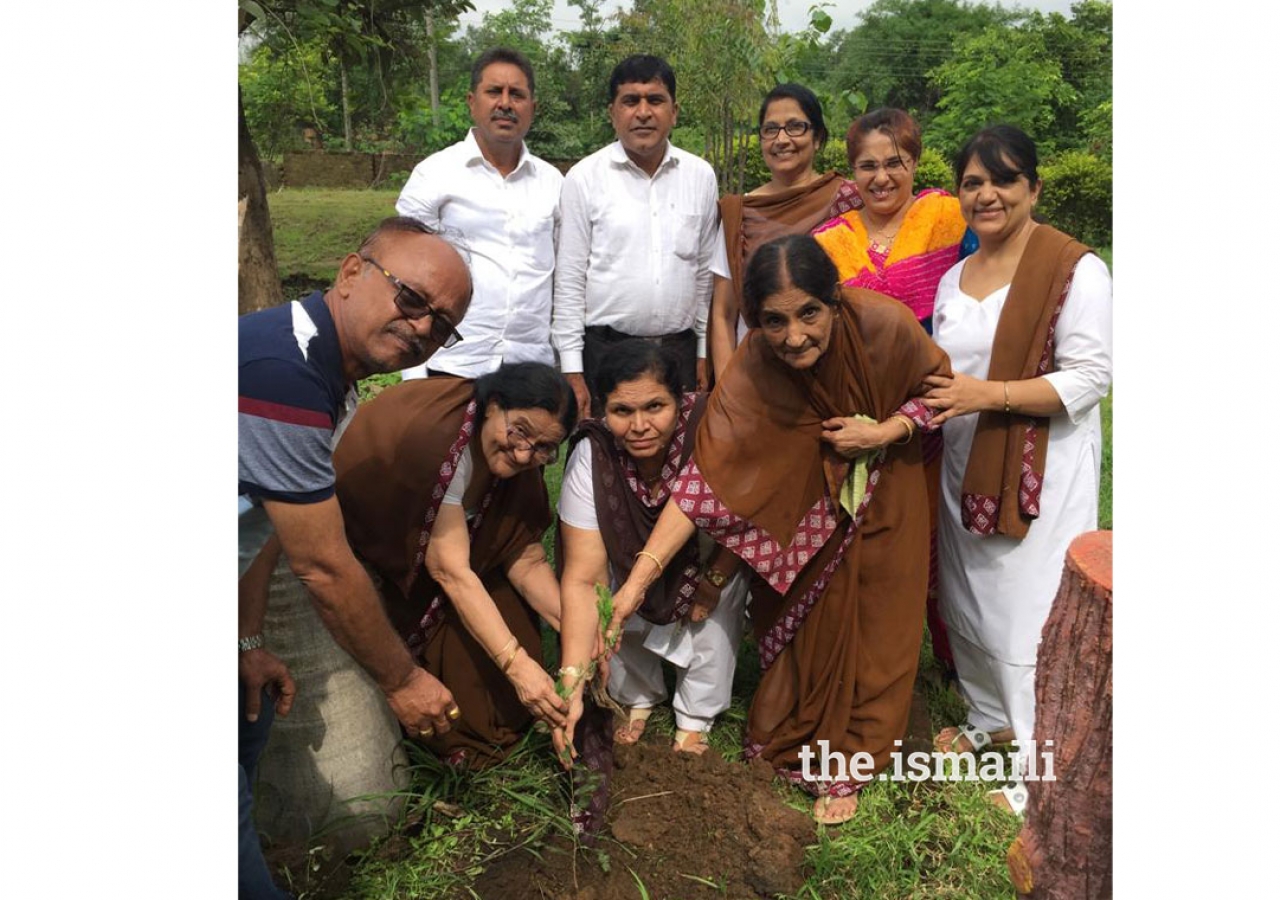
{"type": "Point", "coordinates": [759, 446]}
{"type": "Point", "coordinates": [626, 518]}
{"type": "Point", "coordinates": [753, 219]}
{"type": "Point", "coordinates": [393, 465]}
{"type": "Point", "coordinates": [1002, 480]}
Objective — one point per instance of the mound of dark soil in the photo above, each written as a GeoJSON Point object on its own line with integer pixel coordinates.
{"type": "Point", "coordinates": [687, 826]}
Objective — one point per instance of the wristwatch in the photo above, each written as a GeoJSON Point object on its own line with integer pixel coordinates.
{"type": "Point", "coordinates": [717, 579]}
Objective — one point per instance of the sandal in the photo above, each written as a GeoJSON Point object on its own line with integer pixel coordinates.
{"type": "Point", "coordinates": [977, 738]}
{"type": "Point", "coordinates": [694, 742]}
{"type": "Point", "coordinates": [637, 719]}
{"type": "Point", "coordinates": [822, 809]}
{"type": "Point", "coordinates": [1012, 797]}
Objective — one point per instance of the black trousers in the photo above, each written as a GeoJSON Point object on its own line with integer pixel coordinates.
{"type": "Point", "coordinates": [598, 339]}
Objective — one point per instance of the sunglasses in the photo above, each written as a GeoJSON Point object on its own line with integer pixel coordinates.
{"type": "Point", "coordinates": [413, 305]}
{"type": "Point", "coordinates": [544, 453]}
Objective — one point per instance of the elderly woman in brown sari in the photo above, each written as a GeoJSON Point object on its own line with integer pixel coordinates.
{"type": "Point", "coordinates": [441, 490]}
{"type": "Point", "coordinates": [796, 199]}
{"type": "Point", "coordinates": [807, 465]}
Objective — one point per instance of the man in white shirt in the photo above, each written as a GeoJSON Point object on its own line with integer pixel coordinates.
{"type": "Point", "coordinates": [501, 202]}
{"type": "Point", "coordinates": [637, 233]}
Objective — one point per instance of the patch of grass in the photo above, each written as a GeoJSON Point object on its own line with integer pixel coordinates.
{"type": "Point", "coordinates": [370, 387]}
{"type": "Point", "coordinates": [315, 227]}
{"type": "Point", "coordinates": [459, 823]}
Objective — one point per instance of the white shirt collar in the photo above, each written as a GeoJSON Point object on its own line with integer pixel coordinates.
{"type": "Point", "coordinates": [475, 155]}
{"type": "Point", "coordinates": [618, 156]}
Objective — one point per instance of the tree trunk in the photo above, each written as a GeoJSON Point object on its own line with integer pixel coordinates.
{"type": "Point", "coordinates": [1064, 849]}
{"type": "Point", "coordinates": [434, 75]}
{"type": "Point", "coordinates": [336, 762]}
{"type": "Point", "coordinates": [259, 278]}
{"type": "Point", "coordinates": [346, 104]}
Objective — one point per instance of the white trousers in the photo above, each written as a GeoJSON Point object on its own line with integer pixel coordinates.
{"type": "Point", "coordinates": [999, 695]}
{"type": "Point", "coordinates": [704, 655]}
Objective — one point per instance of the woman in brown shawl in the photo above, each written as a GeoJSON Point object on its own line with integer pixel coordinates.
{"type": "Point", "coordinates": [441, 490]}
{"type": "Point", "coordinates": [794, 201]}
{"type": "Point", "coordinates": [807, 466]}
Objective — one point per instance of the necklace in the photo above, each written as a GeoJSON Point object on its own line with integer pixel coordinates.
{"type": "Point", "coordinates": [886, 240]}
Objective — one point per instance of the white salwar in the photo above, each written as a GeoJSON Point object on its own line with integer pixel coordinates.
{"type": "Point", "coordinates": [996, 592]}
{"type": "Point", "coordinates": [704, 654]}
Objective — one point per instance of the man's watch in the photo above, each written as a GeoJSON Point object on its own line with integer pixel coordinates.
{"type": "Point", "coordinates": [252, 642]}
{"type": "Point", "coordinates": [717, 579]}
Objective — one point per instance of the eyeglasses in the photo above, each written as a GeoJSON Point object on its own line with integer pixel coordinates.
{"type": "Point", "coordinates": [794, 128]}
{"type": "Point", "coordinates": [893, 165]}
{"type": "Point", "coordinates": [413, 305]}
{"type": "Point", "coordinates": [545, 453]}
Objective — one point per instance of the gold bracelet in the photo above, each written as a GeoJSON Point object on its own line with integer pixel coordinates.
{"type": "Point", "coordinates": [1007, 410]}
{"type": "Point", "coordinates": [911, 428]}
{"type": "Point", "coordinates": [657, 562]}
{"type": "Point", "coordinates": [505, 647]}
{"type": "Point", "coordinates": [512, 658]}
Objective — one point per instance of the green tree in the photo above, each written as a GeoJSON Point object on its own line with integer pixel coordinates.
{"type": "Point", "coordinates": [888, 56]}
{"type": "Point", "coordinates": [284, 91]}
{"type": "Point", "coordinates": [1082, 47]}
{"type": "Point", "coordinates": [1002, 75]}
{"type": "Point", "coordinates": [359, 30]}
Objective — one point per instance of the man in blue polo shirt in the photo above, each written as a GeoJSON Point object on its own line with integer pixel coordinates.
{"type": "Point", "coordinates": [395, 302]}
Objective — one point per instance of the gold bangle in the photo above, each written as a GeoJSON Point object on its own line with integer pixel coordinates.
{"type": "Point", "coordinates": [1007, 410]}
{"type": "Point", "coordinates": [512, 658]}
{"type": "Point", "coordinates": [911, 428]}
{"type": "Point", "coordinates": [505, 647]}
{"type": "Point", "coordinates": [657, 562]}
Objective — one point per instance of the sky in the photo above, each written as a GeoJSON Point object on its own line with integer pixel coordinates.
{"type": "Point", "coordinates": [794, 14]}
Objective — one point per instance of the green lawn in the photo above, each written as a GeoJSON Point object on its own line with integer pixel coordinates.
{"type": "Point", "coordinates": [316, 227]}
{"type": "Point", "coordinates": [930, 840]}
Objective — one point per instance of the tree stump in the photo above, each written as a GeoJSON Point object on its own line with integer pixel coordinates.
{"type": "Point", "coordinates": [1064, 849]}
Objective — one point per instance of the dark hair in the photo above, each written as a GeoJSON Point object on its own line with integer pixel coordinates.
{"type": "Point", "coordinates": [793, 260]}
{"type": "Point", "coordinates": [640, 69]}
{"type": "Point", "coordinates": [809, 105]}
{"type": "Point", "coordinates": [632, 359]}
{"type": "Point", "coordinates": [895, 124]}
{"type": "Point", "coordinates": [501, 55]}
{"type": "Point", "coordinates": [991, 146]}
{"type": "Point", "coordinates": [528, 385]}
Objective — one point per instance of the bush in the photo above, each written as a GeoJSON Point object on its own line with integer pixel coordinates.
{"type": "Point", "coordinates": [933, 171]}
{"type": "Point", "coordinates": [1076, 197]}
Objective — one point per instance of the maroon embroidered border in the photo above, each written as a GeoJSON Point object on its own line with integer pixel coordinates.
{"type": "Point", "coordinates": [980, 513]}
{"type": "Point", "coordinates": [435, 609]}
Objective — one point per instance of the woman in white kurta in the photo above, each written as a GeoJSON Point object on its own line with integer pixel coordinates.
{"type": "Point", "coordinates": [997, 587]}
